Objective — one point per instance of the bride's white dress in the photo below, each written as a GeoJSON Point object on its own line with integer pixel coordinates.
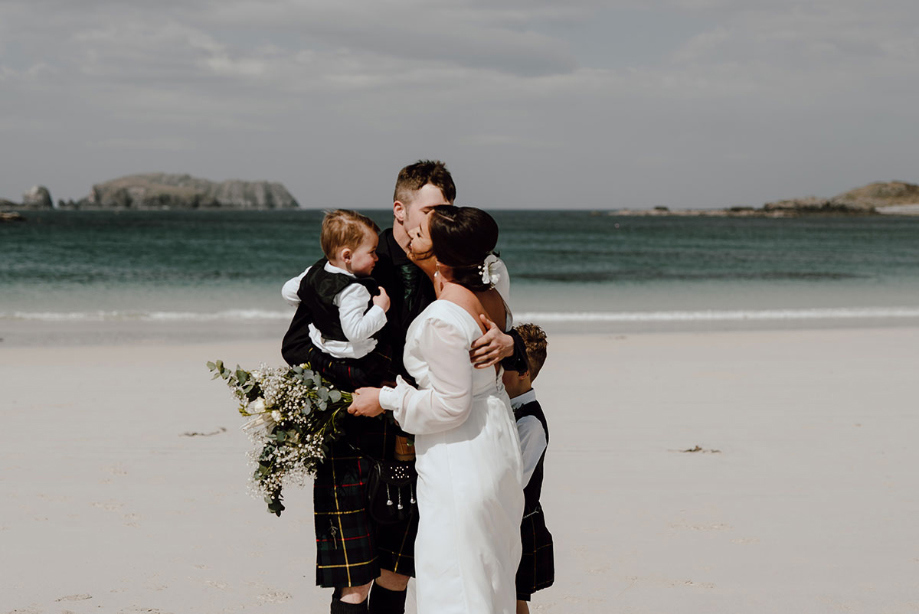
{"type": "Point", "coordinates": [470, 497]}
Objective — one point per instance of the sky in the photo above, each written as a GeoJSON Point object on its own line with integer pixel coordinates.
{"type": "Point", "coordinates": [579, 104]}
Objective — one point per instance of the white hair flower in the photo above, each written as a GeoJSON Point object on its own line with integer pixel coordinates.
{"type": "Point", "coordinates": [489, 270]}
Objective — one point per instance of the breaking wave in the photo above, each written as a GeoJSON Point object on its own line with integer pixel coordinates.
{"type": "Point", "coordinates": [843, 313]}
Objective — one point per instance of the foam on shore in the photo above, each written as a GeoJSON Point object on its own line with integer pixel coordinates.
{"type": "Point", "coordinates": [714, 315]}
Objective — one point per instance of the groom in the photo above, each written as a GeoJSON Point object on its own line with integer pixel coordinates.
{"type": "Point", "coordinates": [355, 555]}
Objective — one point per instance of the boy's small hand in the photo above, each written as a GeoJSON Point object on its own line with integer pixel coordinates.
{"type": "Point", "coordinates": [381, 300]}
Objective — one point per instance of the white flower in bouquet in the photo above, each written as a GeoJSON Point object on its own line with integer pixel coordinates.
{"type": "Point", "coordinates": [256, 407]}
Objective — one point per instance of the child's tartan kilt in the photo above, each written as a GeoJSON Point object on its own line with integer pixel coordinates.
{"type": "Point", "coordinates": [351, 548]}
{"type": "Point", "coordinates": [537, 564]}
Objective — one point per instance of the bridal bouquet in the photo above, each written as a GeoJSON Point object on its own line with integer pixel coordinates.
{"type": "Point", "coordinates": [294, 414]}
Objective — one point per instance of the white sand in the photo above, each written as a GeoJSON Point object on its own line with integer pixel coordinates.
{"type": "Point", "coordinates": [811, 503]}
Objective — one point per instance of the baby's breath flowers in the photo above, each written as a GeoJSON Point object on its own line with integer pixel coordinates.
{"type": "Point", "coordinates": [294, 414]}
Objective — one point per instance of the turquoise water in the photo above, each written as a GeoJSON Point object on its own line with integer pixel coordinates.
{"type": "Point", "coordinates": [565, 266]}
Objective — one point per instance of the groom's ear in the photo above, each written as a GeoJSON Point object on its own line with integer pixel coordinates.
{"type": "Point", "coordinates": [398, 211]}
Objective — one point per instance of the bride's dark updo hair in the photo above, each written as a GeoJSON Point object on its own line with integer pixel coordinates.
{"type": "Point", "coordinates": [461, 238]}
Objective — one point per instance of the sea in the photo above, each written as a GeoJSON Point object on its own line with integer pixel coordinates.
{"type": "Point", "coordinates": [570, 270]}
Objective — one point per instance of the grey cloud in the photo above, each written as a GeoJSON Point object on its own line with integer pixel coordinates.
{"type": "Point", "coordinates": [448, 35]}
{"type": "Point", "coordinates": [708, 103]}
{"type": "Point", "coordinates": [174, 38]}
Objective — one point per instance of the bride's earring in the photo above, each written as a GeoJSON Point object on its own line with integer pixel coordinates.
{"type": "Point", "coordinates": [438, 278]}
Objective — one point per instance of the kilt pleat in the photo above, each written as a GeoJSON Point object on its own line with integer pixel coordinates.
{"type": "Point", "coordinates": [537, 563]}
{"type": "Point", "coordinates": [351, 548]}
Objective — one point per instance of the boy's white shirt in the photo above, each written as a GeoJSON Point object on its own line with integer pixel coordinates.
{"type": "Point", "coordinates": [291, 287]}
{"type": "Point", "coordinates": [357, 325]}
{"type": "Point", "coordinates": [533, 441]}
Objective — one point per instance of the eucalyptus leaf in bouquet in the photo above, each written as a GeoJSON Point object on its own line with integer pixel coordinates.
{"type": "Point", "coordinates": [294, 414]}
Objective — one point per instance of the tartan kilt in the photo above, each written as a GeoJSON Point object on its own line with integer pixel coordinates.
{"type": "Point", "coordinates": [351, 548]}
{"type": "Point", "coordinates": [537, 563]}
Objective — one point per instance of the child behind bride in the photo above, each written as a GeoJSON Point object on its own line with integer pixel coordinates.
{"type": "Point", "coordinates": [537, 565]}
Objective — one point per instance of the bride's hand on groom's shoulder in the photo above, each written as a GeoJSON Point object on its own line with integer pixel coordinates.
{"type": "Point", "coordinates": [365, 402]}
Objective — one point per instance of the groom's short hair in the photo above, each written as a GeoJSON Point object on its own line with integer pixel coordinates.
{"type": "Point", "coordinates": [534, 338]}
{"type": "Point", "coordinates": [415, 176]}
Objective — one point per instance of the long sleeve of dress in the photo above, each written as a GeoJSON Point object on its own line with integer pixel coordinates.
{"type": "Point", "coordinates": [446, 403]}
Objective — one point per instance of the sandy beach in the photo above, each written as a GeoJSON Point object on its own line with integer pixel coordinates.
{"type": "Point", "coordinates": [735, 472]}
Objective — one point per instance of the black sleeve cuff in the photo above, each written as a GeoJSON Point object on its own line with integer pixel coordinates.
{"type": "Point", "coordinates": [518, 360]}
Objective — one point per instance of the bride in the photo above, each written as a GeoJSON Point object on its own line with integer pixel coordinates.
{"type": "Point", "coordinates": [470, 498]}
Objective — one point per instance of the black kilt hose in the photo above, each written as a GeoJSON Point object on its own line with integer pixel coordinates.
{"type": "Point", "coordinates": [352, 548]}
{"type": "Point", "coordinates": [537, 563]}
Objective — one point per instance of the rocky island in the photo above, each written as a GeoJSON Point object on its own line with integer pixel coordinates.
{"type": "Point", "coordinates": [890, 198]}
{"type": "Point", "coordinates": [36, 198]}
{"type": "Point", "coordinates": [164, 191]}
{"type": "Point", "coordinates": [155, 191]}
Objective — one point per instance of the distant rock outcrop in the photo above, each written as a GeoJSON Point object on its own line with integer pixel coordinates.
{"type": "Point", "coordinates": [892, 198]}
{"type": "Point", "coordinates": [818, 206]}
{"type": "Point", "coordinates": [36, 198]}
{"type": "Point", "coordinates": [883, 194]}
{"type": "Point", "coordinates": [874, 198]}
{"type": "Point", "coordinates": [164, 191]}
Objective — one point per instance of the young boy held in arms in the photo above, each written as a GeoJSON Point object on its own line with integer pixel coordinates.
{"type": "Point", "coordinates": [343, 306]}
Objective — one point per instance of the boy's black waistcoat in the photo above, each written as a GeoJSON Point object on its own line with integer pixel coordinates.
{"type": "Point", "coordinates": [317, 290]}
{"type": "Point", "coordinates": [533, 490]}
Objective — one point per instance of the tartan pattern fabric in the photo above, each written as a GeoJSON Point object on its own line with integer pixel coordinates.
{"type": "Point", "coordinates": [537, 564]}
{"type": "Point", "coordinates": [351, 548]}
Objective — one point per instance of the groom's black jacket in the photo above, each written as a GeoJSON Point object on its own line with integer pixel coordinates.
{"type": "Point", "coordinates": [409, 289]}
